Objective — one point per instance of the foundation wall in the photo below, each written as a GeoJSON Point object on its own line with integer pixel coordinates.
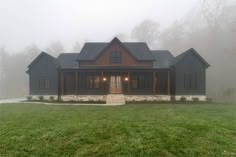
{"type": "Point", "coordinates": [128, 98]}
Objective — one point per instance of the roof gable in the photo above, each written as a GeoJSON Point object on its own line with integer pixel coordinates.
{"type": "Point", "coordinates": [139, 50]}
{"type": "Point", "coordinates": [180, 57]}
{"type": "Point", "coordinates": [44, 54]}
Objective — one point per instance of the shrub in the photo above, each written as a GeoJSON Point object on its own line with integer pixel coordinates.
{"type": "Point", "coordinates": [29, 98]}
{"type": "Point", "coordinates": [41, 98]}
{"type": "Point", "coordinates": [195, 99]}
{"type": "Point", "coordinates": [51, 98]}
{"type": "Point", "coordinates": [183, 99]}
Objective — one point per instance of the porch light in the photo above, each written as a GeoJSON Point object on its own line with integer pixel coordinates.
{"type": "Point", "coordinates": [126, 79]}
{"type": "Point", "coordinates": [104, 79]}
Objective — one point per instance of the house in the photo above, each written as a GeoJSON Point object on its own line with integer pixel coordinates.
{"type": "Point", "coordinates": [110, 71]}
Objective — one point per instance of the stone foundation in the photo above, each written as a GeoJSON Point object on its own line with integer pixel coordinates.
{"type": "Point", "coordinates": [44, 97]}
{"type": "Point", "coordinates": [147, 98]}
{"type": "Point", "coordinates": [191, 97]}
{"type": "Point", "coordinates": [127, 98]}
{"type": "Point", "coordinates": [83, 98]}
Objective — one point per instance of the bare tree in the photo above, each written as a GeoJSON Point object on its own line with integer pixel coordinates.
{"type": "Point", "coordinates": [212, 10]}
{"type": "Point", "coordinates": [216, 43]}
{"type": "Point", "coordinates": [55, 48]}
{"type": "Point", "coordinates": [147, 31]}
{"type": "Point", "coordinates": [123, 36]}
{"type": "Point", "coordinates": [13, 79]}
{"type": "Point", "coordinates": [77, 47]}
{"type": "Point", "coordinates": [3, 62]}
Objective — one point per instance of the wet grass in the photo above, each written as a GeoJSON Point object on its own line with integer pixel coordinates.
{"type": "Point", "coordinates": [130, 130]}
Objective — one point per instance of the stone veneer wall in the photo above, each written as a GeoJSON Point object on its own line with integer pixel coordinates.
{"type": "Point", "coordinates": [81, 98]}
{"type": "Point", "coordinates": [131, 98]}
{"type": "Point", "coordinates": [147, 98]}
{"type": "Point", "coordinates": [191, 97]}
{"type": "Point", "coordinates": [45, 97]}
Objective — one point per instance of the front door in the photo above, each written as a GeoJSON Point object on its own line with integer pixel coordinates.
{"type": "Point", "coordinates": [115, 85]}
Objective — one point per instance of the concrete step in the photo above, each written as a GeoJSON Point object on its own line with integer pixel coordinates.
{"type": "Point", "coordinates": [115, 99]}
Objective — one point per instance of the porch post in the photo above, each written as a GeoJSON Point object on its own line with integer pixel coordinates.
{"type": "Point", "coordinates": [168, 83]}
{"type": "Point", "coordinates": [76, 83]}
{"type": "Point", "coordinates": [154, 83]}
{"type": "Point", "coordinates": [128, 83]}
{"type": "Point", "coordinates": [62, 83]}
{"type": "Point", "coordinates": [59, 84]}
{"type": "Point", "coordinates": [102, 82]}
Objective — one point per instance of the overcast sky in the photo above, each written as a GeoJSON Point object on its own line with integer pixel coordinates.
{"type": "Point", "coordinates": [23, 22]}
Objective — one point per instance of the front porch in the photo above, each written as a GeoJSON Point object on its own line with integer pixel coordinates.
{"type": "Point", "coordinates": [115, 81]}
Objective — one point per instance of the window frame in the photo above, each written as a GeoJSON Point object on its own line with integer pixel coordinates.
{"type": "Point", "coordinates": [93, 82]}
{"type": "Point", "coordinates": [138, 82]}
{"type": "Point", "coordinates": [44, 82]}
{"type": "Point", "coordinates": [115, 57]}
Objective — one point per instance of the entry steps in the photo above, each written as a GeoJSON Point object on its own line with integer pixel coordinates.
{"type": "Point", "coordinates": [115, 99]}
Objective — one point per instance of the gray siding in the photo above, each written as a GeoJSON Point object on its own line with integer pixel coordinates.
{"type": "Point", "coordinates": [46, 68]}
{"type": "Point", "coordinates": [190, 66]}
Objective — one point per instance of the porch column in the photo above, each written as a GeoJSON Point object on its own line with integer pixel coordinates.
{"type": "Point", "coordinates": [154, 83]}
{"type": "Point", "coordinates": [59, 85]}
{"type": "Point", "coordinates": [76, 83]}
{"type": "Point", "coordinates": [62, 83]}
{"type": "Point", "coordinates": [168, 82]}
{"type": "Point", "coordinates": [128, 91]}
{"type": "Point", "coordinates": [102, 82]}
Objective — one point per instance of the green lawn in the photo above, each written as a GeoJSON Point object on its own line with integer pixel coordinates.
{"type": "Point", "coordinates": [130, 130]}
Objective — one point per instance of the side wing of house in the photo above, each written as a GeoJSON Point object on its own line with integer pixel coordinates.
{"type": "Point", "coordinates": [43, 75]}
{"type": "Point", "coordinates": [190, 74]}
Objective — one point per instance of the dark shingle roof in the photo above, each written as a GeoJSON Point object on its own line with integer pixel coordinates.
{"type": "Point", "coordinates": [68, 60]}
{"type": "Point", "coordinates": [163, 58]}
{"type": "Point", "coordinates": [91, 50]}
{"type": "Point", "coordinates": [139, 50]}
{"type": "Point", "coordinates": [181, 56]}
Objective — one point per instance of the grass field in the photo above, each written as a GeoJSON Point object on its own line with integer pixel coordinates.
{"type": "Point", "coordinates": [131, 130]}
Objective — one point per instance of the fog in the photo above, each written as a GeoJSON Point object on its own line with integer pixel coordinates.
{"type": "Point", "coordinates": [29, 27]}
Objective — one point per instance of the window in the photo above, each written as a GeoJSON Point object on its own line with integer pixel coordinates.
{"type": "Point", "coordinates": [115, 57]}
{"type": "Point", "coordinates": [138, 82]}
{"type": "Point", "coordinates": [93, 81]}
{"type": "Point", "coordinates": [96, 81]}
{"type": "Point", "coordinates": [141, 82]}
{"type": "Point", "coordinates": [134, 82]}
{"type": "Point", "coordinates": [90, 82]}
{"type": "Point", "coordinates": [43, 83]}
